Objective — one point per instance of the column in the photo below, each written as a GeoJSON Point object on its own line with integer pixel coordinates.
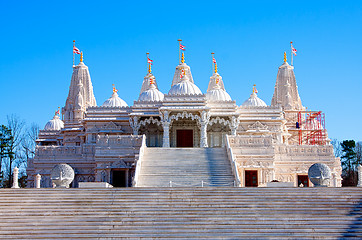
{"type": "Point", "coordinates": [204, 121]}
{"type": "Point", "coordinates": [15, 178]}
{"type": "Point", "coordinates": [166, 134]}
{"type": "Point", "coordinates": [134, 125]}
{"type": "Point", "coordinates": [37, 180]}
{"type": "Point", "coordinates": [234, 125]}
{"type": "Point", "coordinates": [203, 139]}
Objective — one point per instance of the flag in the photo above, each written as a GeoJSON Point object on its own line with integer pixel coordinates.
{"type": "Point", "coordinates": [294, 51]}
{"type": "Point", "coordinates": [57, 112]}
{"type": "Point", "coordinates": [149, 60]}
{"type": "Point", "coordinates": [182, 47]}
{"type": "Point", "coordinates": [76, 50]}
{"type": "Point", "coordinates": [213, 60]}
{"type": "Point", "coordinates": [255, 90]}
{"type": "Point", "coordinates": [217, 80]}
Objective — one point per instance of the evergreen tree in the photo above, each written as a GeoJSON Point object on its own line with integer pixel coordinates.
{"type": "Point", "coordinates": [349, 163]}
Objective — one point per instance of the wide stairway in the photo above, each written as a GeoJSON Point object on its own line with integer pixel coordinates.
{"type": "Point", "coordinates": [185, 167]}
{"type": "Point", "coordinates": [181, 213]}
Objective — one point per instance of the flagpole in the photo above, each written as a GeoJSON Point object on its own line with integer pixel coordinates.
{"type": "Point", "coordinates": [291, 50]}
{"type": "Point", "coordinates": [73, 52]}
{"type": "Point", "coordinates": [213, 64]}
{"type": "Point", "coordinates": [179, 50]}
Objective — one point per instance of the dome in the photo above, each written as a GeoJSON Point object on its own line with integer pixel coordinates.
{"type": "Point", "coordinates": [114, 101]}
{"type": "Point", "coordinates": [54, 125]}
{"type": "Point", "coordinates": [185, 87]}
{"type": "Point", "coordinates": [217, 95]}
{"type": "Point", "coordinates": [152, 95]}
{"type": "Point", "coordinates": [254, 101]}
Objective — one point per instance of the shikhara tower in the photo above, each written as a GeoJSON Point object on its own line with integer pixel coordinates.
{"type": "Point", "coordinates": [286, 89]}
{"type": "Point", "coordinates": [123, 145]}
{"type": "Point", "coordinates": [80, 95]}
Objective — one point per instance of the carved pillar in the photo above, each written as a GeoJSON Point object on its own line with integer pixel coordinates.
{"type": "Point", "coordinates": [204, 121]}
{"type": "Point", "coordinates": [234, 125]}
{"type": "Point", "coordinates": [166, 134]}
{"type": "Point", "coordinates": [166, 129]}
{"type": "Point", "coordinates": [134, 125]}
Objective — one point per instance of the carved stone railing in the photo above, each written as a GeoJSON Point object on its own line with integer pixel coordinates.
{"type": "Point", "coordinates": [120, 141]}
{"type": "Point", "coordinates": [250, 141]}
{"type": "Point", "coordinates": [232, 160]}
{"type": "Point", "coordinates": [305, 150]}
{"type": "Point", "coordinates": [58, 150]}
{"type": "Point", "coordinates": [139, 161]}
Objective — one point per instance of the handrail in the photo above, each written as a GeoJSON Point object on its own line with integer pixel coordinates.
{"type": "Point", "coordinates": [232, 160]}
{"type": "Point", "coordinates": [139, 161]}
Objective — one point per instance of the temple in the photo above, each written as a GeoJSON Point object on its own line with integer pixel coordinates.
{"type": "Point", "coordinates": [185, 137]}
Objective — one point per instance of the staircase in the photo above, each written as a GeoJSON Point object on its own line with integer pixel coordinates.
{"type": "Point", "coordinates": [185, 167]}
{"type": "Point", "coordinates": [182, 213]}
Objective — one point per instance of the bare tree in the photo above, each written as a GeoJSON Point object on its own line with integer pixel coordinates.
{"type": "Point", "coordinates": [337, 147]}
{"type": "Point", "coordinates": [15, 125]}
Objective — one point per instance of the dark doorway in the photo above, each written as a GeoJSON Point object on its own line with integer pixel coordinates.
{"type": "Point", "coordinates": [251, 178]}
{"type": "Point", "coordinates": [304, 180]}
{"type": "Point", "coordinates": [185, 138]}
{"type": "Point", "coordinates": [119, 178]}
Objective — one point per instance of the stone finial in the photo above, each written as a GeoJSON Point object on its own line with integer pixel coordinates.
{"type": "Point", "coordinates": [15, 178]}
{"type": "Point", "coordinates": [37, 180]}
{"type": "Point", "coordinates": [359, 184]}
{"type": "Point", "coordinates": [319, 174]}
{"type": "Point", "coordinates": [62, 175]}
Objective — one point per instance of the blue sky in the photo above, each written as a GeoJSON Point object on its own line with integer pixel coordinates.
{"type": "Point", "coordinates": [248, 38]}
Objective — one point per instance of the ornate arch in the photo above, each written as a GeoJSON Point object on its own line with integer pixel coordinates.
{"type": "Point", "coordinates": [149, 121]}
{"type": "Point", "coordinates": [185, 115]}
{"type": "Point", "coordinates": [219, 120]}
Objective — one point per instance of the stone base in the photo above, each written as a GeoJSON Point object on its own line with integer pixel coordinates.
{"type": "Point", "coordinates": [94, 185]}
{"type": "Point", "coordinates": [280, 184]}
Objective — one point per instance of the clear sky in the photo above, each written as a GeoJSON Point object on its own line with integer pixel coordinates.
{"type": "Point", "coordinates": [248, 38]}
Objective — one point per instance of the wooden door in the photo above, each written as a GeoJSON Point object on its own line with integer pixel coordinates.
{"type": "Point", "coordinates": [185, 138]}
{"type": "Point", "coordinates": [251, 178]}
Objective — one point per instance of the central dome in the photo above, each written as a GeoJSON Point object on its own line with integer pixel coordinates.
{"type": "Point", "coordinates": [114, 101]}
{"type": "Point", "coordinates": [184, 87]}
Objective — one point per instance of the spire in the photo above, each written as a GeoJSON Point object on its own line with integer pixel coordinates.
{"type": "Point", "coordinates": [214, 62]}
{"type": "Point", "coordinates": [182, 57]}
{"type": "Point", "coordinates": [149, 61]}
{"type": "Point", "coordinates": [285, 57]}
{"type": "Point", "coordinates": [81, 56]}
{"type": "Point", "coordinates": [254, 89]}
{"type": "Point", "coordinates": [80, 95]}
{"type": "Point", "coordinates": [114, 89]}
{"type": "Point", "coordinates": [286, 90]}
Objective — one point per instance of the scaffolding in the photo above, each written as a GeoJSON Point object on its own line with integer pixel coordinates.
{"type": "Point", "coordinates": [307, 127]}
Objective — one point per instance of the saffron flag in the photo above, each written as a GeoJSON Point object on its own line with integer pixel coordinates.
{"type": "Point", "coordinates": [182, 47]}
{"type": "Point", "coordinates": [76, 50]}
{"type": "Point", "coordinates": [294, 51]}
{"type": "Point", "coordinates": [149, 60]}
{"type": "Point", "coordinates": [57, 112]}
